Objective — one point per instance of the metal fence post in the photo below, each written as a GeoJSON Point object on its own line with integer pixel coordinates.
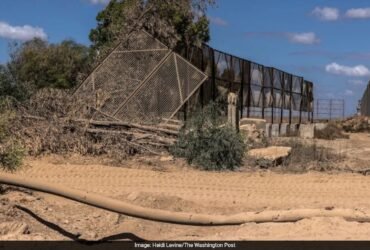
{"type": "Point", "coordinates": [263, 94]}
{"type": "Point", "coordinates": [282, 93]}
{"type": "Point", "coordinates": [300, 105]}
{"type": "Point", "coordinates": [291, 99]}
{"type": "Point", "coordinates": [241, 89]}
{"type": "Point", "coordinates": [213, 75]}
{"type": "Point", "coordinates": [249, 92]}
{"type": "Point", "coordinates": [272, 94]}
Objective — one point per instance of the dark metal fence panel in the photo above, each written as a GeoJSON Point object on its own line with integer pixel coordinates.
{"type": "Point", "coordinates": [329, 109]}
{"type": "Point", "coordinates": [264, 92]}
{"type": "Point", "coordinates": [365, 102]}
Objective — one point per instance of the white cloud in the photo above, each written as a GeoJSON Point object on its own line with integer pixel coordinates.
{"type": "Point", "coordinates": [23, 33]}
{"type": "Point", "coordinates": [357, 82]}
{"type": "Point", "coordinates": [218, 21]}
{"type": "Point", "coordinates": [99, 1]}
{"type": "Point", "coordinates": [303, 38]}
{"type": "Point", "coordinates": [348, 92]}
{"type": "Point", "coordinates": [357, 71]}
{"type": "Point", "coordinates": [358, 13]}
{"type": "Point", "coordinates": [326, 13]}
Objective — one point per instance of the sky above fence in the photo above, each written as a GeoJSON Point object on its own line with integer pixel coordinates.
{"type": "Point", "coordinates": [326, 42]}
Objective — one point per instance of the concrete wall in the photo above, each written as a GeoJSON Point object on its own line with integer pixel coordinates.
{"type": "Point", "coordinates": [306, 131]}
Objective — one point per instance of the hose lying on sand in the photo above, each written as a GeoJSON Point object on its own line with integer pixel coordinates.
{"type": "Point", "coordinates": [180, 217]}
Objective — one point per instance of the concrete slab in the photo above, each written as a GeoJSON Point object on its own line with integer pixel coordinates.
{"type": "Point", "coordinates": [270, 156]}
{"type": "Point", "coordinates": [268, 130]}
{"type": "Point", "coordinates": [307, 131]}
{"type": "Point", "coordinates": [293, 129]}
{"type": "Point", "coordinates": [275, 130]}
{"type": "Point", "coordinates": [272, 153]}
{"type": "Point", "coordinates": [259, 123]}
{"type": "Point", "coordinates": [320, 126]}
{"type": "Point", "coordinates": [284, 129]}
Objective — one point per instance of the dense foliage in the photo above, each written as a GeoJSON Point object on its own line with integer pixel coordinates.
{"type": "Point", "coordinates": [11, 151]}
{"type": "Point", "coordinates": [207, 143]}
{"type": "Point", "coordinates": [41, 64]}
{"type": "Point", "coordinates": [176, 23]}
{"type": "Point", "coordinates": [37, 64]}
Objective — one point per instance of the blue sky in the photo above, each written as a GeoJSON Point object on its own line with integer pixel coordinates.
{"type": "Point", "coordinates": [325, 41]}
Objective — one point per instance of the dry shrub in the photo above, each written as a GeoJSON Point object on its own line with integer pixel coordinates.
{"type": "Point", "coordinates": [11, 155]}
{"type": "Point", "coordinates": [11, 151]}
{"type": "Point", "coordinates": [356, 124]}
{"type": "Point", "coordinates": [44, 125]}
{"type": "Point", "coordinates": [331, 132]}
{"type": "Point", "coordinates": [309, 156]}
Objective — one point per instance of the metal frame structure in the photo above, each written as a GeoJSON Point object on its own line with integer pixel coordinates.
{"type": "Point", "coordinates": [141, 80]}
{"type": "Point", "coordinates": [330, 109]}
{"type": "Point", "coordinates": [365, 102]}
{"type": "Point", "coordinates": [264, 92]}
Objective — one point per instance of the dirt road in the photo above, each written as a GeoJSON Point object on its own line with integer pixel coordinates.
{"type": "Point", "coordinates": [186, 189]}
{"type": "Point", "coordinates": [233, 190]}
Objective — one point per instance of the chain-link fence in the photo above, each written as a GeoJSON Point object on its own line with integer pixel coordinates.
{"type": "Point", "coordinates": [141, 80]}
{"type": "Point", "coordinates": [365, 102]}
{"type": "Point", "coordinates": [264, 92]}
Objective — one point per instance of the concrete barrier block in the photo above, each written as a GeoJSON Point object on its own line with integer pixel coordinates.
{"type": "Point", "coordinates": [307, 131]}
{"type": "Point", "coordinates": [275, 130]}
{"type": "Point", "coordinates": [284, 129]}
{"type": "Point", "coordinates": [293, 129]}
{"type": "Point", "coordinates": [259, 123]}
{"type": "Point", "coordinates": [320, 126]}
{"type": "Point", "coordinates": [268, 130]}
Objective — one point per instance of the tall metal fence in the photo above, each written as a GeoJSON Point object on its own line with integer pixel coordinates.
{"type": "Point", "coordinates": [365, 102]}
{"type": "Point", "coordinates": [264, 92]}
{"type": "Point", "coordinates": [329, 109]}
{"type": "Point", "coordinates": [142, 80]}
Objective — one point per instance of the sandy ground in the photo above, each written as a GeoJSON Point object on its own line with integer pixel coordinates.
{"type": "Point", "coordinates": [174, 186]}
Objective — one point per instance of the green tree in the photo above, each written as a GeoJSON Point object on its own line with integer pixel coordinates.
{"type": "Point", "coordinates": [174, 22]}
{"type": "Point", "coordinates": [9, 87]}
{"type": "Point", "coordinates": [37, 64]}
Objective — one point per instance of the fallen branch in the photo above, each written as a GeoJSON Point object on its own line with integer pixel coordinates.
{"type": "Point", "coordinates": [31, 117]}
{"type": "Point", "coordinates": [180, 217]}
{"type": "Point", "coordinates": [132, 125]}
{"type": "Point", "coordinates": [136, 136]}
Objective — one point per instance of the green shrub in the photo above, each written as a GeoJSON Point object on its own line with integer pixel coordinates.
{"type": "Point", "coordinates": [11, 156]}
{"type": "Point", "coordinates": [209, 144]}
{"type": "Point", "coordinates": [11, 151]}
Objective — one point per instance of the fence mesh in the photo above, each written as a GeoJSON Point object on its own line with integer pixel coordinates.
{"type": "Point", "coordinates": [329, 109]}
{"type": "Point", "coordinates": [264, 92]}
{"type": "Point", "coordinates": [141, 80]}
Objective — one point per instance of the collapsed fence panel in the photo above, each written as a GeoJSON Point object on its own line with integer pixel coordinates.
{"type": "Point", "coordinates": [141, 80]}
{"type": "Point", "coordinates": [163, 93]}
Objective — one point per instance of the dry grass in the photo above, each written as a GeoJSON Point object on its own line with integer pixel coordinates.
{"type": "Point", "coordinates": [304, 156]}
{"type": "Point", "coordinates": [356, 124]}
{"type": "Point", "coordinates": [331, 132]}
{"type": "Point", "coordinates": [43, 125]}
{"type": "Point", "coordinates": [307, 156]}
